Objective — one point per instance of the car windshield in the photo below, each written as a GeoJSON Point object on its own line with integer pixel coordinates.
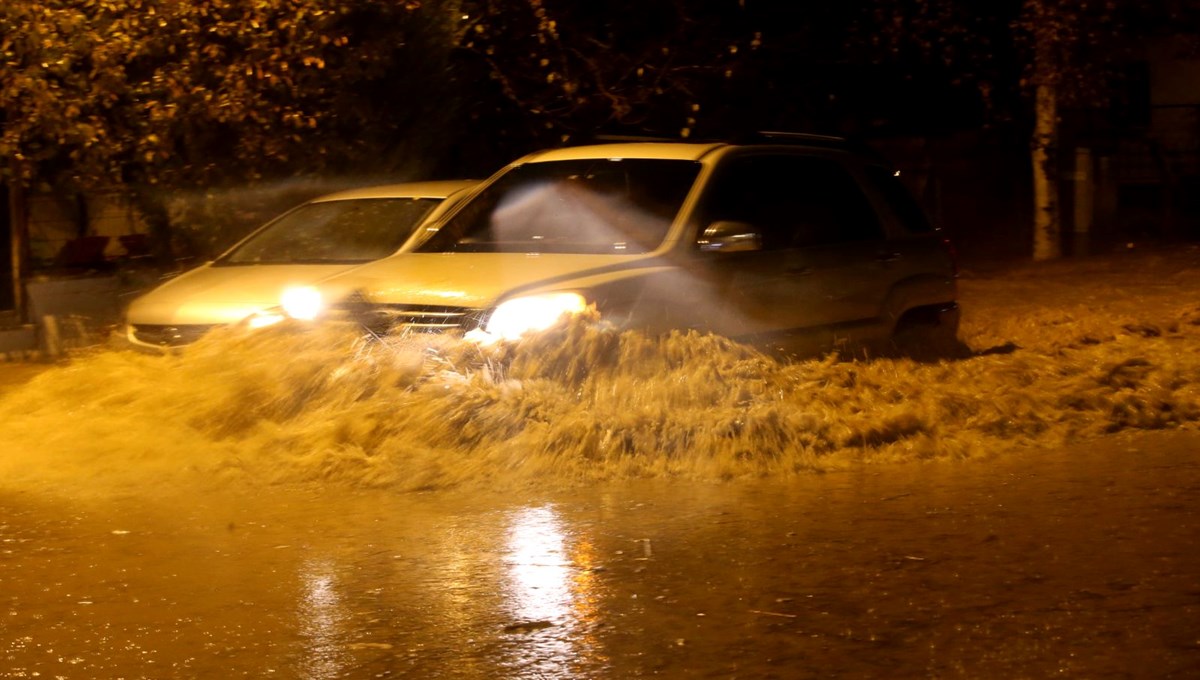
{"type": "Point", "coordinates": [335, 232]}
{"type": "Point", "coordinates": [578, 206]}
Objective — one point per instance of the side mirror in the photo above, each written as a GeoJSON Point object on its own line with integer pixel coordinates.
{"type": "Point", "coordinates": [730, 237]}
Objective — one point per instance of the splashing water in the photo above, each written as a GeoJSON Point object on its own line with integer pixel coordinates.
{"type": "Point", "coordinates": [582, 404]}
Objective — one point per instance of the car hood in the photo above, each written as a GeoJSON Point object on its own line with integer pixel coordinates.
{"type": "Point", "coordinates": [223, 294]}
{"type": "Point", "coordinates": [479, 280]}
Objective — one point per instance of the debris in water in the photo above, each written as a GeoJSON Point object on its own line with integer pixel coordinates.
{"type": "Point", "coordinates": [369, 645]}
{"type": "Point", "coordinates": [781, 615]}
{"type": "Point", "coordinates": [527, 626]}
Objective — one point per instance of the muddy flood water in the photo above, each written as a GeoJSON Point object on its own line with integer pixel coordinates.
{"type": "Point", "coordinates": [303, 503]}
{"type": "Point", "coordinates": [1085, 564]}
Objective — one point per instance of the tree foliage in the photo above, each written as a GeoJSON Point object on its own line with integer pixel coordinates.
{"type": "Point", "coordinates": [1035, 56]}
{"type": "Point", "coordinates": [627, 65]}
{"type": "Point", "coordinates": [1006, 49]}
{"type": "Point", "coordinates": [144, 92]}
{"type": "Point", "coordinates": [153, 91]}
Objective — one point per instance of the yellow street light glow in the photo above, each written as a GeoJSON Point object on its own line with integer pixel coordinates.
{"type": "Point", "coordinates": [513, 318]}
{"type": "Point", "coordinates": [301, 302]}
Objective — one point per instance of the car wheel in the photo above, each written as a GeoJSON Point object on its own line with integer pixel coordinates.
{"type": "Point", "coordinates": [929, 334]}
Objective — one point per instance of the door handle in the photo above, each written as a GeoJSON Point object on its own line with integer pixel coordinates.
{"type": "Point", "coordinates": [798, 271]}
{"type": "Point", "coordinates": [889, 256]}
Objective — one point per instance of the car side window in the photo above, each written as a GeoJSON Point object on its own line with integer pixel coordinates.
{"type": "Point", "coordinates": [795, 201]}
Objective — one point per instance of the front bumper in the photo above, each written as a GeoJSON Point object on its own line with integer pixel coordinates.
{"type": "Point", "coordinates": [165, 336]}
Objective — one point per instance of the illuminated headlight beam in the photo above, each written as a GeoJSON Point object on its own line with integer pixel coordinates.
{"type": "Point", "coordinates": [301, 302]}
{"type": "Point", "coordinates": [264, 319]}
{"type": "Point", "coordinates": [518, 316]}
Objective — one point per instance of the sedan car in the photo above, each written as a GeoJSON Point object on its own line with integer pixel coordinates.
{"type": "Point", "coordinates": [318, 239]}
{"type": "Point", "coordinates": [783, 241]}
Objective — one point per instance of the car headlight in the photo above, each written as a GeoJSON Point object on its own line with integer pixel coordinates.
{"type": "Point", "coordinates": [267, 317]}
{"type": "Point", "coordinates": [301, 302]}
{"type": "Point", "coordinates": [513, 318]}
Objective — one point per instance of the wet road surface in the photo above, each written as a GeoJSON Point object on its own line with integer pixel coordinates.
{"type": "Point", "coordinates": [1077, 563]}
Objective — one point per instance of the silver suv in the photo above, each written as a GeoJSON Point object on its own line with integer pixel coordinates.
{"type": "Point", "coordinates": [790, 242]}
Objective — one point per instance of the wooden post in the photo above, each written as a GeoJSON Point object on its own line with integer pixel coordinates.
{"type": "Point", "coordinates": [52, 345]}
{"type": "Point", "coordinates": [19, 241]}
{"type": "Point", "coordinates": [1085, 193]}
{"type": "Point", "coordinates": [1105, 217]}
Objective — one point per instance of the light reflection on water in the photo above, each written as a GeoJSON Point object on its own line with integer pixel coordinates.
{"type": "Point", "coordinates": [519, 589]}
{"type": "Point", "coordinates": [551, 594]}
{"type": "Point", "coordinates": [322, 617]}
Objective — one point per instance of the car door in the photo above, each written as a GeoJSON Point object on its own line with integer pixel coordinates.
{"type": "Point", "coordinates": [823, 253]}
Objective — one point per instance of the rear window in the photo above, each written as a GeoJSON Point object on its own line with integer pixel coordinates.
{"type": "Point", "coordinates": [899, 199]}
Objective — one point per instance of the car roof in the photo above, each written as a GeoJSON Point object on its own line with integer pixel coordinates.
{"type": "Point", "coordinates": [696, 150]}
{"type": "Point", "coordinates": [430, 189]}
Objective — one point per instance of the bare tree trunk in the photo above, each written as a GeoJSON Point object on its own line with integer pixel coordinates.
{"type": "Point", "coordinates": [1047, 242]}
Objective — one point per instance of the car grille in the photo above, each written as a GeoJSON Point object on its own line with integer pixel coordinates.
{"type": "Point", "coordinates": [170, 336]}
{"type": "Point", "coordinates": [390, 318]}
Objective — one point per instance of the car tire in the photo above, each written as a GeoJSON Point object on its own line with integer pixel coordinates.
{"type": "Point", "coordinates": [929, 334]}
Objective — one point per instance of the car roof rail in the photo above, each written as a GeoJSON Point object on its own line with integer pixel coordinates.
{"type": "Point", "coordinates": [781, 137]}
{"type": "Point", "coordinates": [813, 140]}
{"type": "Point", "coordinates": [609, 139]}
{"type": "Point", "coordinates": [756, 137]}
{"type": "Point", "coordinates": [798, 138]}
{"type": "Point", "coordinates": [805, 137]}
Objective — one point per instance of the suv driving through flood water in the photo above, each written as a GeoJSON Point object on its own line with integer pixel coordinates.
{"type": "Point", "coordinates": [796, 238]}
